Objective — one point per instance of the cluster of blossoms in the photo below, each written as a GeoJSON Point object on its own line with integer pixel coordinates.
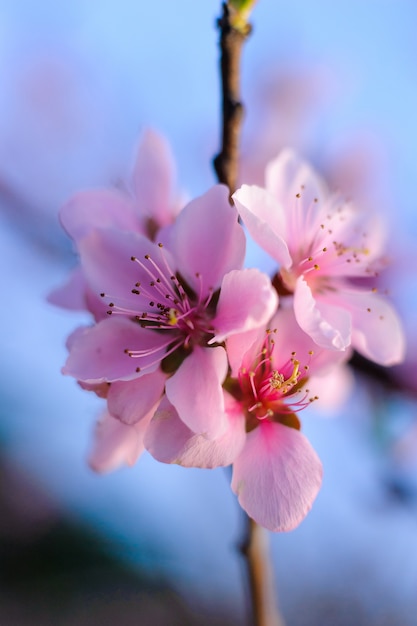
{"type": "Point", "coordinates": [204, 363]}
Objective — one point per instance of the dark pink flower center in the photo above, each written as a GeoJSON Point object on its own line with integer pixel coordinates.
{"type": "Point", "coordinates": [167, 304]}
{"type": "Point", "coordinates": [266, 389]}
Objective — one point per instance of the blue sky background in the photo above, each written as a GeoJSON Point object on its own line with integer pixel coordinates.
{"type": "Point", "coordinates": [80, 80]}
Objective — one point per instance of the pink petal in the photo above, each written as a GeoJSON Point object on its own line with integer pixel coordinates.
{"type": "Point", "coordinates": [329, 326]}
{"type": "Point", "coordinates": [153, 178]}
{"type": "Point", "coordinates": [116, 444]}
{"type": "Point", "coordinates": [106, 257]}
{"type": "Point", "coordinates": [288, 175]}
{"type": "Point", "coordinates": [98, 354]}
{"type": "Point", "coordinates": [333, 389]}
{"type": "Point", "coordinates": [277, 476]}
{"type": "Point", "coordinates": [101, 208]}
{"type": "Point", "coordinates": [76, 295]}
{"type": "Point", "coordinates": [169, 440]}
{"type": "Point", "coordinates": [264, 218]}
{"type": "Point", "coordinates": [247, 300]}
{"type": "Point", "coordinates": [130, 401]}
{"type": "Point", "coordinates": [71, 295]}
{"type": "Point", "coordinates": [196, 392]}
{"type": "Point", "coordinates": [377, 330]}
{"type": "Point", "coordinates": [243, 348]}
{"type": "Point", "coordinates": [100, 389]}
{"type": "Point", "coordinates": [208, 240]}
{"type": "Point", "coordinates": [290, 339]}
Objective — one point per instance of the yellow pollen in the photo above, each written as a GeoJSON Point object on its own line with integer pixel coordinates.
{"type": "Point", "coordinates": [278, 381]}
{"type": "Point", "coordinates": [173, 319]}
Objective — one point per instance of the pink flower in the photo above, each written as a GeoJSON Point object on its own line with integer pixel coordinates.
{"type": "Point", "coordinates": [325, 249]}
{"type": "Point", "coordinates": [147, 205]}
{"type": "Point", "coordinates": [276, 472]}
{"type": "Point", "coordinates": [115, 443]}
{"type": "Point", "coordinates": [170, 308]}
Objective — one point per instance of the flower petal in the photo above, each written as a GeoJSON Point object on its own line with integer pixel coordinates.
{"type": "Point", "coordinates": [329, 326]}
{"type": "Point", "coordinates": [290, 340]}
{"type": "Point", "coordinates": [264, 218]}
{"type": "Point", "coordinates": [115, 443]}
{"type": "Point", "coordinates": [247, 300]}
{"type": "Point", "coordinates": [277, 476]}
{"type": "Point", "coordinates": [169, 440]}
{"type": "Point", "coordinates": [293, 182]}
{"type": "Point", "coordinates": [377, 330]}
{"type": "Point", "coordinates": [98, 354]}
{"type": "Point", "coordinates": [207, 240]}
{"type": "Point", "coordinates": [243, 348]}
{"type": "Point", "coordinates": [71, 295]}
{"type": "Point", "coordinates": [196, 392]}
{"type": "Point", "coordinates": [106, 257]}
{"type": "Point", "coordinates": [129, 401]}
{"type": "Point", "coordinates": [76, 295]}
{"type": "Point", "coordinates": [101, 208]}
{"type": "Point", "coordinates": [153, 178]}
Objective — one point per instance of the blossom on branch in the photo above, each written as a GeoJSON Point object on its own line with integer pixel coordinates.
{"type": "Point", "coordinates": [170, 308]}
{"type": "Point", "coordinates": [276, 472]}
{"type": "Point", "coordinates": [327, 251]}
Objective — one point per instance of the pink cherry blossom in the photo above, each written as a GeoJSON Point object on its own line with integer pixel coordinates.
{"type": "Point", "coordinates": [171, 307]}
{"type": "Point", "coordinates": [115, 443]}
{"type": "Point", "coordinates": [147, 204]}
{"type": "Point", "coordinates": [276, 472]}
{"type": "Point", "coordinates": [327, 251]}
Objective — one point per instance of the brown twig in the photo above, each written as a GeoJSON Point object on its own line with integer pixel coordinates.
{"type": "Point", "coordinates": [262, 592]}
{"type": "Point", "coordinates": [232, 37]}
{"type": "Point", "coordinates": [231, 44]}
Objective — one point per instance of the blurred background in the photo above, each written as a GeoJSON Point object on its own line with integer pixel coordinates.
{"type": "Point", "coordinates": [157, 544]}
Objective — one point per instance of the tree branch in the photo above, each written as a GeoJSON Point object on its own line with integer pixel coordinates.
{"type": "Point", "coordinates": [259, 570]}
{"type": "Point", "coordinates": [231, 44]}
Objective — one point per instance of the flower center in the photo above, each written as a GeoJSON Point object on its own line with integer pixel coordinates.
{"type": "Point", "coordinates": [166, 303]}
{"type": "Point", "coordinates": [267, 390]}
